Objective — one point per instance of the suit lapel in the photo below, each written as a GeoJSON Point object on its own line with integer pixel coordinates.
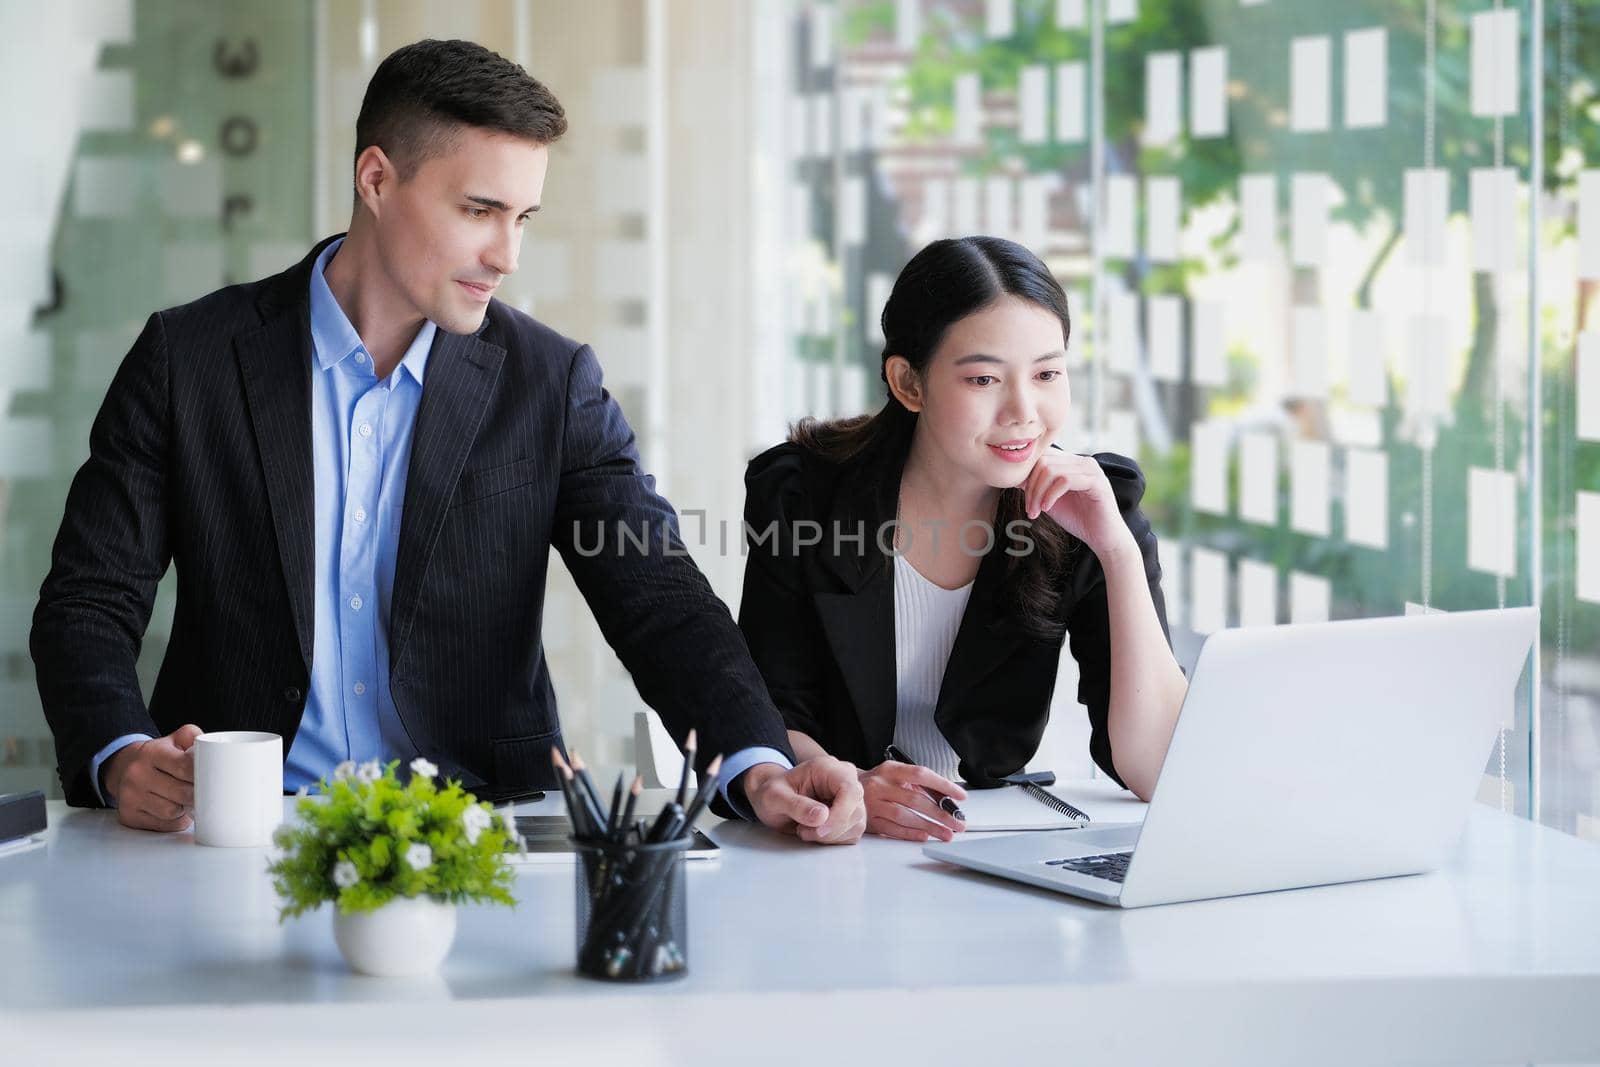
{"type": "Point", "coordinates": [275, 365]}
{"type": "Point", "coordinates": [462, 371]}
{"type": "Point", "coordinates": [860, 629]}
{"type": "Point", "coordinates": [859, 622]}
{"type": "Point", "coordinates": [985, 639]}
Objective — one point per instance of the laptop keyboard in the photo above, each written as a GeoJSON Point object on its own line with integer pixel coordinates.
{"type": "Point", "coordinates": [1112, 866]}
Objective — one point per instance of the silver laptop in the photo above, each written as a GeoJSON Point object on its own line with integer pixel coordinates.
{"type": "Point", "coordinates": [1304, 755]}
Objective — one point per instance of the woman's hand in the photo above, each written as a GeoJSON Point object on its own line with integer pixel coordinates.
{"type": "Point", "coordinates": [1074, 491]}
{"type": "Point", "coordinates": [896, 802]}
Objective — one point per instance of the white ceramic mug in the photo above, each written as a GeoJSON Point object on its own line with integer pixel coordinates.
{"type": "Point", "coordinates": [238, 788]}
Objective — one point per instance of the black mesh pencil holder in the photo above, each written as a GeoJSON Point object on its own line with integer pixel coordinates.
{"type": "Point", "coordinates": [633, 921]}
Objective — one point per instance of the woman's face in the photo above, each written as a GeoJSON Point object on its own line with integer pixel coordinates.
{"type": "Point", "coordinates": [994, 395]}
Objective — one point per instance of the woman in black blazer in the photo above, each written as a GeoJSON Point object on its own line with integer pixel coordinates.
{"type": "Point", "coordinates": [1016, 544]}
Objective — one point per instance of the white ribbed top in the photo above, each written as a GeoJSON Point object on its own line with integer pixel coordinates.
{"type": "Point", "coordinates": [926, 620]}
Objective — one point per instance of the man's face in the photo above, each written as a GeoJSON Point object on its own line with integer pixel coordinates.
{"type": "Point", "coordinates": [451, 232]}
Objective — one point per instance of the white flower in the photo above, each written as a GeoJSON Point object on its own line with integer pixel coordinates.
{"type": "Point", "coordinates": [344, 770]}
{"type": "Point", "coordinates": [423, 767]}
{"type": "Point", "coordinates": [369, 771]}
{"type": "Point", "coordinates": [345, 874]}
{"type": "Point", "coordinates": [475, 820]}
{"type": "Point", "coordinates": [419, 856]}
{"type": "Point", "coordinates": [508, 825]}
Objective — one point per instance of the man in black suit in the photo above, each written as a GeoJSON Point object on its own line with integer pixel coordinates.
{"type": "Point", "coordinates": [359, 468]}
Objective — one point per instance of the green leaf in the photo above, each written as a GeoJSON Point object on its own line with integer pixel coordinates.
{"type": "Point", "coordinates": [371, 824]}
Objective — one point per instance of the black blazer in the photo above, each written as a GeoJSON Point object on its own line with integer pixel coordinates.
{"type": "Point", "coordinates": [820, 620]}
{"type": "Point", "coordinates": [201, 457]}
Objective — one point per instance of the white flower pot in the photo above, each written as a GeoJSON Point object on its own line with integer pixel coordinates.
{"type": "Point", "coordinates": [408, 936]}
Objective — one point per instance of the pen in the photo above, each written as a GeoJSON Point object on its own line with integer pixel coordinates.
{"type": "Point", "coordinates": [519, 797]}
{"type": "Point", "coordinates": [946, 804]}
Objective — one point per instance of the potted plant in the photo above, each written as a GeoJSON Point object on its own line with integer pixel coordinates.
{"type": "Point", "coordinates": [395, 860]}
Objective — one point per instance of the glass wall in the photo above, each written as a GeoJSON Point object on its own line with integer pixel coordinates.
{"type": "Point", "coordinates": [1330, 266]}
{"type": "Point", "coordinates": [147, 166]}
{"type": "Point", "coordinates": [1565, 544]}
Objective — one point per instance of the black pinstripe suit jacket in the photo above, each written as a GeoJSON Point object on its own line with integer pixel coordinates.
{"type": "Point", "coordinates": [200, 457]}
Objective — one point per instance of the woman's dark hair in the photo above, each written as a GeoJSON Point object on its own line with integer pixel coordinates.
{"type": "Point", "coordinates": [422, 94]}
{"type": "Point", "coordinates": [943, 284]}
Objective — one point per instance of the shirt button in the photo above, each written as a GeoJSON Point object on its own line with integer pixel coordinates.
{"type": "Point", "coordinates": [361, 514]}
{"type": "Point", "coordinates": [291, 695]}
{"type": "Point", "coordinates": [361, 687]}
{"type": "Point", "coordinates": [355, 602]}
{"type": "Point", "coordinates": [361, 358]}
{"type": "Point", "coordinates": [365, 429]}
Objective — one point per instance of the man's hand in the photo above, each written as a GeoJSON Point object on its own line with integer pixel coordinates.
{"type": "Point", "coordinates": [153, 781]}
{"type": "Point", "coordinates": [819, 801]}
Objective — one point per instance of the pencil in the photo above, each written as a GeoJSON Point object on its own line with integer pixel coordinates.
{"type": "Point", "coordinates": [578, 811]}
{"type": "Point", "coordinates": [703, 795]}
{"type": "Point", "coordinates": [663, 817]}
{"type": "Point", "coordinates": [613, 817]}
{"type": "Point", "coordinates": [575, 814]}
{"type": "Point", "coordinates": [587, 784]}
{"type": "Point", "coordinates": [627, 812]}
{"type": "Point", "coordinates": [688, 764]}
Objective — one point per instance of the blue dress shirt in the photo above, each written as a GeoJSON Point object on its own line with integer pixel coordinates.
{"type": "Point", "coordinates": [361, 449]}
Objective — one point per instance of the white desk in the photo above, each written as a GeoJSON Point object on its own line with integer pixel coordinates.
{"type": "Point", "coordinates": [119, 943]}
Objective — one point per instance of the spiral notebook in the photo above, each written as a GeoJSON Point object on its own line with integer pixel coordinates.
{"type": "Point", "coordinates": [1012, 807]}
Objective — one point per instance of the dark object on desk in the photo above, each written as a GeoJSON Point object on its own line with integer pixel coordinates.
{"type": "Point", "coordinates": [21, 816]}
{"type": "Point", "coordinates": [548, 839]}
{"type": "Point", "coordinates": [632, 918]}
{"type": "Point", "coordinates": [515, 797]}
{"type": "Point", "coordinates": [1034, 785]}
{"type": "Point", "coordinates": [632, 910]}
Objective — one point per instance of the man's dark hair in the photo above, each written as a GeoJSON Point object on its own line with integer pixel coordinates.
{"type": "Point", "coordinates": [423, 93]}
